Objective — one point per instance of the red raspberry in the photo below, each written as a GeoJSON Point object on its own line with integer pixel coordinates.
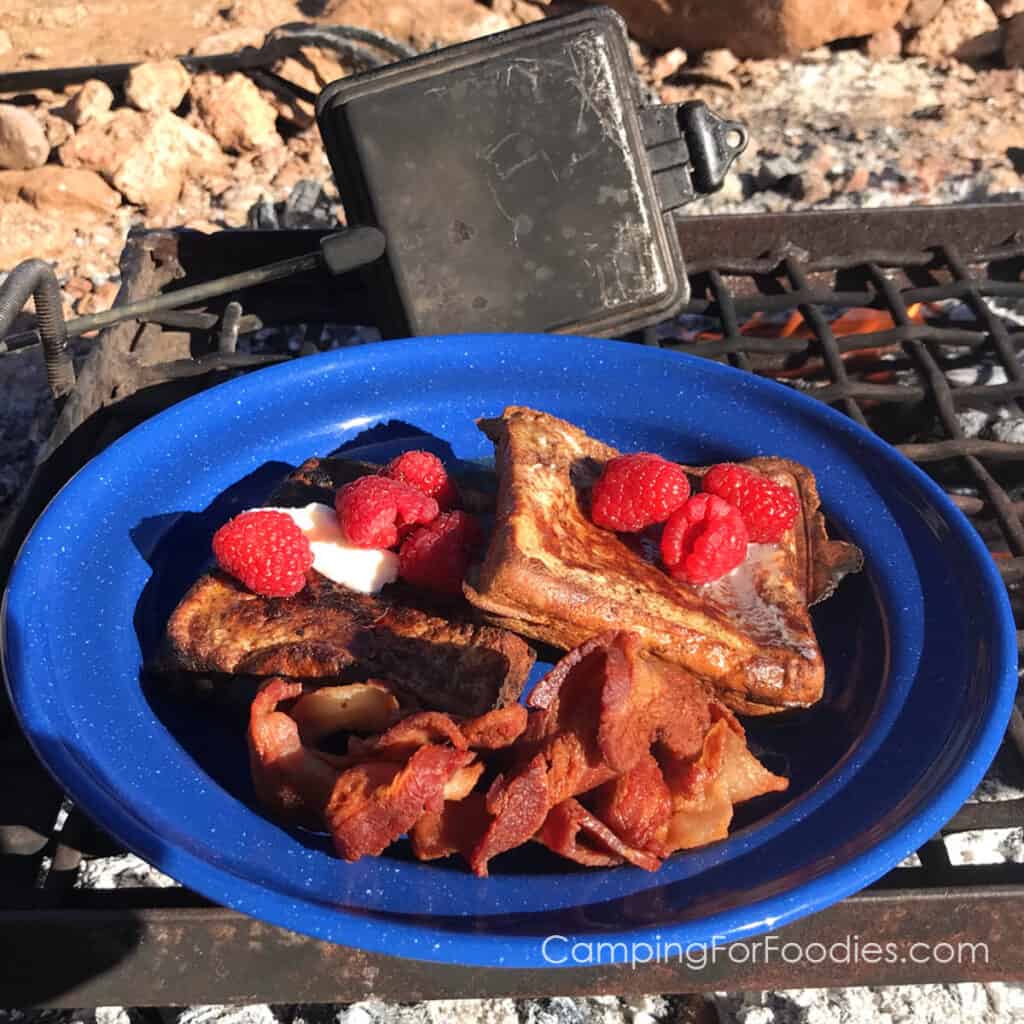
{"type": "Point", "coordinates": [703, 540]}
{"type": "Point", "coordinates": [266, 551]}
{"type": "Point", "coordinates": [372, 509]}
{"type": "Point", "coordinates": [436, 557]}
{"type": "Point", "coordinates": [426, 472]}
{"type": "Point", "coordinates": [768, 508]}
{"type": "Point", "coordinates": [637, 491]}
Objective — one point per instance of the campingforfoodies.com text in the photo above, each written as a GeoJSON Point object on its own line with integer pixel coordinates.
{"type": "Point", "coordinates": [563, 950]}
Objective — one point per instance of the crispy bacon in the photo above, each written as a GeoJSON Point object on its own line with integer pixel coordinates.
{"type": "Point", "coordinates": [705, 789]}
{"type": "Point", "coordinates": [496, 729]}
{"type": "Point", "coordinates": [572, 831]}
{"type": "Point", "coordinates": [620, 758]}
{"type": "Point", "coordinates": [290, 779]}
{"type": "Point", "coordinates": [374, 803]}
{"type": "Point", "coordinates": [370, 706]}
{"type": "Point", "coordinates": [457, 828]}
{"type": "Point", "coordinates": [636, 805]}
{"type": "Point", "coordinates": [407, 736]}
{"type": "Point", "coordinates": [517, 807]}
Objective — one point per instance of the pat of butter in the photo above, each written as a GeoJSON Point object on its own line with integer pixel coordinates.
{"type": "Point", "coordinates": [362, 569]}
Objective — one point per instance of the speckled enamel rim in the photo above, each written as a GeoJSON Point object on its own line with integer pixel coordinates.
{"type": "Point", "coordinates": [32, 666]}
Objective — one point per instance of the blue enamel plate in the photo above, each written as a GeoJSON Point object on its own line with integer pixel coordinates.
{"type": "Point", "coordinates": [920, 651]}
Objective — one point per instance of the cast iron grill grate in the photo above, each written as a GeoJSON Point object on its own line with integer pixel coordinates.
{"type": "Point", "coordinates": [946, 293]}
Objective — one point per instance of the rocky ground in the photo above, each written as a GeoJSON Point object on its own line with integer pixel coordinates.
{"type": "Point", "coordinates": [926, 107]}
{"type": "Point", "coordinates": [851, 124]}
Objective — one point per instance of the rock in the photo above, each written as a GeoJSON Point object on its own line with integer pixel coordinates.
{"type": "Point", "coordinates": [964, 29]}
{"type": "Point", "coordinates": [23, 142]}
{"type": "Point", "coordinates": [157, 85]}
{"type": "Point", "coordinates": [231, 40]}
{"type": "Point", "coordinates": [718, 63]}
{"type": "Point", "coordinates": [884, 44]}
{"type": "Point", "coordinates": [1006, 9]}
{"type": "Point", "coordinates": [27, 233]}
{"type": "Point", "coordinates": [58, 131]}
{"type": "Point", "coordinates": [325, 63]}
{"type": "Point", "coordinates": [1013, 47]}
{"type": "Point", "coordinates": [93, 100]}
{"type": "Point", "coordinates": [144, 156]}
{"type": "Point", "coordinates": [919, 13]}
{"type": "Point", "coordinates": [858, 180]}
{"type": "Point", "coordinates": [234, 112]}
{"type": "Point", "coordinates": [99, 300]}
{"type": "Point", "coordinates": [450, 21]}
{"type": "Point", "coordinates": [754, 28]}
{"type": "Point", "coordinates": [667, 64]}
{"type": "Point", "coordinates": [62, 190]}
{"type": "Point", "coordinates": [77, 288]}
{"type": "Point", "coordinates": [5, 42]}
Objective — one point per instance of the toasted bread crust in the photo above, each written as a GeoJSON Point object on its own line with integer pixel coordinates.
{"type": "Point", "coordinates": [550, 573]}
{"type": "Point", "coordinates": [327, 631]}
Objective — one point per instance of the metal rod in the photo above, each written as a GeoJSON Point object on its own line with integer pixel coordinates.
{"type": "Point", "coordinates": [170, 300]}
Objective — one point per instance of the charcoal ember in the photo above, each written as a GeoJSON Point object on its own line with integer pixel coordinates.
{"type": "Point", "coordinates": [23, 142]}
{"type": "Point", "coordinates": [262, 215]}
{"type": "Point", "coordinates": [779, 173]}
{"type": "Point", "coordinates": [306, 206]}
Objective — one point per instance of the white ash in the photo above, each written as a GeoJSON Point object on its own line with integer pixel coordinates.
{"type": "Point", "coordinates": [125, 871]}
{"type": "Point", "coordinates": [1010, 431]}
{"type": "Point", "coordinates": [258, 1014]}
{"type": "Point", "coordinates": [966, 1003]}
{"type": "Point", "coordinates": [972, 421]}
{"type": "Point", "coordinates": [990, 846]}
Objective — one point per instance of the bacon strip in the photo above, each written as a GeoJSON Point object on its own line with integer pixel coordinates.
{"type": "Point", "coordinates": [704, 790]}
{"type": "Point", "coordinates": [636, 806]}
{"type": "Point", "coordinates": [496, 729]}
{"type": "Point", "coordinates": [517, 807]}
{"type": "Point", "coordinates": [457, 828]}
{"type": "Point", "coordinates": [572, 831]}
{"type": "Point", "coordinates": [404, 738]}
{"type": "Point", "coordinates": [374, 803]}
{"type": "Point", "coordinates": [358, 707]}
{"type": "Point", "coordinates": [620, 758]}
{"type": "Point", "coordinates": [288, 778]}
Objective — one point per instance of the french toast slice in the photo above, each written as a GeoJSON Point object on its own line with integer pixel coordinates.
{"type": "Point", "coordinates": [551, 574]}
{"type": "Point", "coordinates": [434, 652]}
